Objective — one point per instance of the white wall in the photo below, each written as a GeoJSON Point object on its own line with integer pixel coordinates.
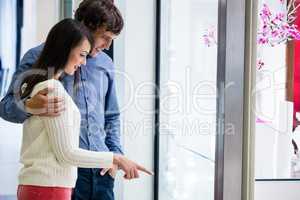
{"type": "Point", "coordinates": [139, 64]}
{"type": "Point", "coordinates": [39, 18]}
{"type": "Point", "coordinates": [47, 16]}
{"type": "Point", "coordinates": [76, 3]}
{"type": "Point", "coordinates": [285, 190]}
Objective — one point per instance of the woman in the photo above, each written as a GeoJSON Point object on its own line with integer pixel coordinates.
{"type": "Point", "coordinates": [50, 148]}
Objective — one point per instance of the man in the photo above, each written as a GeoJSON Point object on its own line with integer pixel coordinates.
{"type": "Point", "coordinates": [94, 94]}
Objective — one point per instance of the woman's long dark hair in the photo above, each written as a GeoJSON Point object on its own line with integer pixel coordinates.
{"type": "Point", "coordinates": [62, 38]}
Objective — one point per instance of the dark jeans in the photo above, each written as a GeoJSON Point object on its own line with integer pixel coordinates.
{"type": "Point", "coordinates": [91, 185]}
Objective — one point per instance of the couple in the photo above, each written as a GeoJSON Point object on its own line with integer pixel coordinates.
{"type": "Point", "coordinates": [56, 125]}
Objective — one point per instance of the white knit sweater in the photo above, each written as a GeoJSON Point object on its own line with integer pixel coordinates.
{"type": "Point", "coordinates": [50, 147]}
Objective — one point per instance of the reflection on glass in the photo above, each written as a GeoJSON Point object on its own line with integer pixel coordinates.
{"type": "Point", "coordinates": [188, 99]}
{"type": "Point", "coordinates": [277, 89]}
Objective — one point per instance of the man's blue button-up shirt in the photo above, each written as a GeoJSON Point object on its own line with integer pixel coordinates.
{"type": "Point", "coordinates": [94, 92]}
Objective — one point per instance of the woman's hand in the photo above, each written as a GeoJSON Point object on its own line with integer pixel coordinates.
{"type": "Point", "coordinates": [129, 167]}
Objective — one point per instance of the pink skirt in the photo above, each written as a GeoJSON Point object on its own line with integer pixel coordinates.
{"type": "Point", "coordinates": [28, 192]}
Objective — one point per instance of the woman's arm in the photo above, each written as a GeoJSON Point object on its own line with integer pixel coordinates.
{"type": "Point", "coordinates": [60, 130]}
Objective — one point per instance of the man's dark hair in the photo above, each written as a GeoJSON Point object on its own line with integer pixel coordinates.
{"type": "Point", "coordinates": [62, 38]}
{"type": "Point", "coordinates": [96, 14]}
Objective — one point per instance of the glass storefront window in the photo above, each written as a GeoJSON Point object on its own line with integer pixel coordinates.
{"type": "Point", "coordinates": [188, 99]}
{"type": "Point", "coordinates": [277, 100]}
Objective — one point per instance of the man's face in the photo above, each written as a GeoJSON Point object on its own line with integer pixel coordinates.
{"type": "Point", "coordinates": [103, 40]}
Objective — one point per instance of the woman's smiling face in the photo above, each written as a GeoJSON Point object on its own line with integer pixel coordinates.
{"type": "Point", "coordinates": [77, 57]}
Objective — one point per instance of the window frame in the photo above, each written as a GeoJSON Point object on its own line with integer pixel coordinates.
{"type": "Point", "coordinates": [232, 57]}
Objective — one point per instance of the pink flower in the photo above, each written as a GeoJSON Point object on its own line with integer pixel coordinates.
{"type": "Point", "coordinates": [206, 40]}
{"type": "Point", "coordinates": [277, 27]}
{"type": "Point", "coordinates": [260, 64]}
{"type": "Point", "coordinates": [280, 16]}
{"type": "Point", "coordinates": [275, 33]}
{"type": "Point", "coordinates": [209, 38]}
{"type": "Point", "coordinates": [265, 12]}
{"type": "Point", "coordinates": [263, 40]}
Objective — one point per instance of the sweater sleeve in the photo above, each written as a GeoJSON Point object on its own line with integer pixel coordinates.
{"type": "Point", "coordinates": [61, 136]}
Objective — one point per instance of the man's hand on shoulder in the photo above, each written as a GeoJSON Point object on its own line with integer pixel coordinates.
{"type": "Point", "coordinates": [42, 105]}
